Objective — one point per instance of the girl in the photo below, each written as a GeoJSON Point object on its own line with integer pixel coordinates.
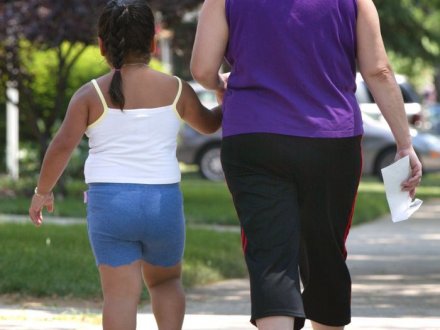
{"type": "Point", "coordinates": [131, 116]}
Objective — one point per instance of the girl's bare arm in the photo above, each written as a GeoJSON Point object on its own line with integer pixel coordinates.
{"type": "Point", "coordinates": [58, 154]}
{"type": "Point", "coordinates": [192, 111]}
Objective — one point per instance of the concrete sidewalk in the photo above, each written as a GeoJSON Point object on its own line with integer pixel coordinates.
{"type": "Point", "coordinates": [396, 285]}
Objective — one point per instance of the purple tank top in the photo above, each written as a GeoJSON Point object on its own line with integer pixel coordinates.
{"type": "Point", "coordinates": [293, 68]}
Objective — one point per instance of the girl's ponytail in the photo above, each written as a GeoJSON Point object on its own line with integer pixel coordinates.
{"type": "Point", "coordinates": [117, 52]}
{"type": "Point", "coordinates": [126, 27]}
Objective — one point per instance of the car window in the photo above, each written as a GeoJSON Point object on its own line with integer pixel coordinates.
{"type": "Point", "coordinates": [207, 96]}
{"type": "Point", "coordinates": [408, 93]}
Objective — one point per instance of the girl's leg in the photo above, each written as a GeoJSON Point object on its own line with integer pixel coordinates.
{"type": "Point", "coordinates": [275, 323]}
{"type": "Point", "coordinates": [167, 295]}
{"type": "Point", "coordinates": [121, 288]}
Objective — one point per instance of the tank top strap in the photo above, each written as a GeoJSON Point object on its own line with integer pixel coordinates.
{"type": "Point", "coordinates": [101, 96]}
{"type": "Point", "coordinates": [179, 92]}
{"type": "Point", "coordinates": [104, 104]}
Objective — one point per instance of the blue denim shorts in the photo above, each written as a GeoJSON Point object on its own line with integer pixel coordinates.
{"type": "Point", "coordinates": [130, 222]}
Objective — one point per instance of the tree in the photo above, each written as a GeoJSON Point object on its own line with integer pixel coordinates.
{"type": "Point", "coordinates": [28, 26]}
{"type": "Point", "coordinates": [65, 27]}
{"type": "Point", "coordinates": [405, 28]}
{"type": "Point", "coordinates": [411, 31]}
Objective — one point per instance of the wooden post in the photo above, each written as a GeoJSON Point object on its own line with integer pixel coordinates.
{"type": "Point", "coordinates": [12, 133]}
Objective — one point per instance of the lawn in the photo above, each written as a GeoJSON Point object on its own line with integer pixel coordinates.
{"type": "Point", "coordinates": [56, 260]}
{"type": "Point", "coordinates": [371, 202]}
{"type": "Point", "coordinates": [210, 202]}
{"type": "Point", "coordinates": [205, 202]}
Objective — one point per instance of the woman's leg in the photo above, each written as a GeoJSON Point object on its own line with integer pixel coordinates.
{"type": "Point", "coordinates": [318, 326]}
{"type": "Point", "coordinates": [275, 323]}
{"type": "Point", "coordinates": [167, 295]}
{"type": "Point", "coordinates": [121, 287]}
{"type": "Point", "coordinates": [327, 190]}
{"type": "Point", "coordinates": [265, 198]}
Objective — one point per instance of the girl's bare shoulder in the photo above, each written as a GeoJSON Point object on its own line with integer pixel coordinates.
{"type": "Point", "coordinates": [163, 83]}
{"type": "Point", "coordinates": [163, 78]}
{"type": "Point", "coordinates": [88, 94]}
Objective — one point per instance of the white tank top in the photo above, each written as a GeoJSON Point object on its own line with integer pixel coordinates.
{"type": "Point", "coordinates": [134, 146]}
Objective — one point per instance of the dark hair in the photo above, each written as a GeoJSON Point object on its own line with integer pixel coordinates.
{"type": "Point", "coordinates": [125, 27]}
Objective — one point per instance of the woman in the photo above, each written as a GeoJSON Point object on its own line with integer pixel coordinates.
{"type": "Point", "coordinates": [291, 148]}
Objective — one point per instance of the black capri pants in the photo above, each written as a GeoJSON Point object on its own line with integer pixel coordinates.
{"type": "Point", "coordinates": [294, 198]}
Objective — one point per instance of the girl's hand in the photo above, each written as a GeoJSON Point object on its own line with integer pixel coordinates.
{"type": "Point", "coordinates": [416, 170]}
{"type": "Point", "coordinates": [39, 201]}
{"type": "Point", "coordinates": [223, 85]}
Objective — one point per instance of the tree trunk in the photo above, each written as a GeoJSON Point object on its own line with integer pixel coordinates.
{"type": "Point", "coordinates": [437, 83]}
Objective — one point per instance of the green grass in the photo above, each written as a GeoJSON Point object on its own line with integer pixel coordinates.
{"type": "Point", "coordinates": [208, 202]}
{"type": "Point", "coordinates": [369, 206]}
{"type": "Point", "coordinates": [205, 202]}
{"type": "Point", "coordinates": [371, 202]}
{"type": "Point", "coordinates": [211, 256]}
{"type": "Point", "coordinates": [57, 260]}
{"type": "Point", "coordinates": [46, 261]}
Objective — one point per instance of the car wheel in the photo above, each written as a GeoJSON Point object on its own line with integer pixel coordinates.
{"type": "Point", "coordinates": [385, 158]}
{"type": "Point", "coordinates": [210, 164]}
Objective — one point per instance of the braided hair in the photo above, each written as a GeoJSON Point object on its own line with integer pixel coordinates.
{"type": "Point", "coordinates": [126, 27]}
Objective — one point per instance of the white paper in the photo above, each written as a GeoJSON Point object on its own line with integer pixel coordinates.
{"type": "Point", "coordinates": [400, 203]}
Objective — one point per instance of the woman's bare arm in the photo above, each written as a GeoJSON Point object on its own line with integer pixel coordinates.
{"type": "Point", "coordinates": [210, 45]}
{"type": "Point", "coordinates": [376, 70]}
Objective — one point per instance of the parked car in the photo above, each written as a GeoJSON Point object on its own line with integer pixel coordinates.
{"type": "Point", "coordinates": [412, 101]}
{"type": "Point", "coordinates": [206, 97]}
{"type": "Point", "coordinates": [378, 147]}
{"type": "Point", "coordinates": [199, 149]}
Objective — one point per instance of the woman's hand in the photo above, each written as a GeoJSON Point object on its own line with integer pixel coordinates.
{"type": "Point", "coordinates": [39, 201]}
{"type": "Point", "coordinates": [416, 170]}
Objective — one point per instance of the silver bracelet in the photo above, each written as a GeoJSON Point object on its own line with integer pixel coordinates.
{"type": "Point", "coordinates": [36, 193]}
